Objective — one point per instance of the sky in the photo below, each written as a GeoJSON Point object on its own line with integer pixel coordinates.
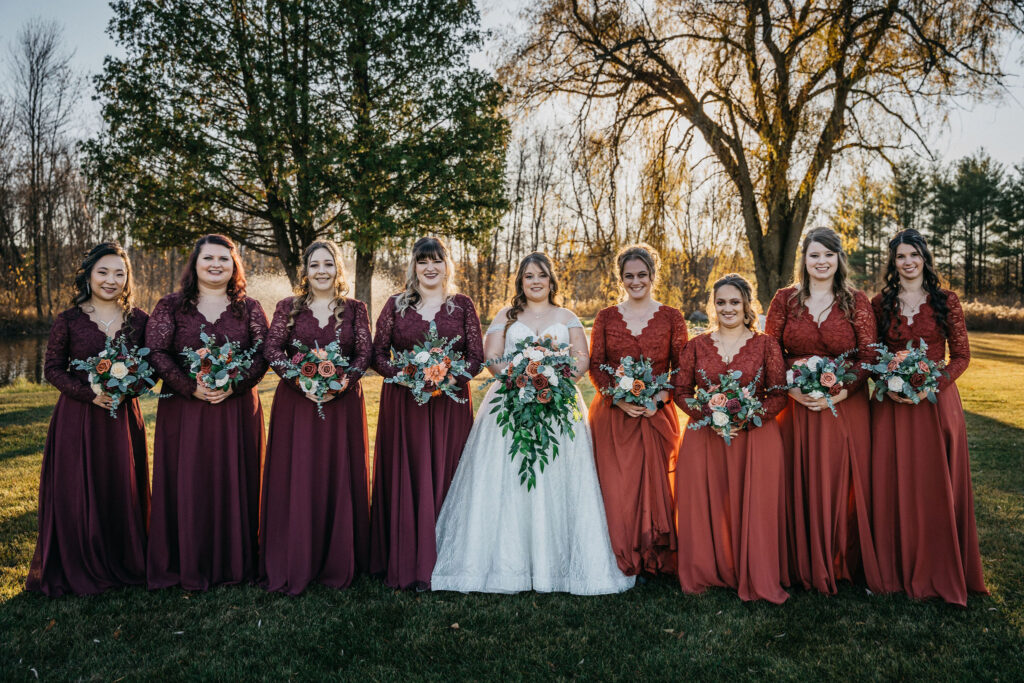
{"type": "Point", "coordinates": [998, 127]}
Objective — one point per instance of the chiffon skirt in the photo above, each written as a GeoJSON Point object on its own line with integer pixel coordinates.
{"type": "Point", "coordinates": [730, 507]}
{"type": "Point", "coordinates": [635, 459]}
{"type": "Point", "coordinates": [315, 505]}
{"type": "Point", "coordinates": [415, 456]}
{"type": "Point", "coordinates": [923, 512]}
{"type": "Point", "coordinates": [93, 501]}
{"type": "Point", "coordinates": [206, 478]}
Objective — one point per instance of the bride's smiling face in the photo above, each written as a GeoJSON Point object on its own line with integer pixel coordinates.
{"type": "Point", "coordinates": [536, 283]}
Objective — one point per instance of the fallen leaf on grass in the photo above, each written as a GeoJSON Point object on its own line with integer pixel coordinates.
{"type": "Point", "coordinates": [34, 672]}
{"type": "Point", "coordinates": [455, 626]}
{"type": "Point", "coordinates": [780, 635]}
{"type": "Point", "coordinates": [179, 633]}
{"type": "Point", "coordinates": [117, 633]}
{"type": "Point", "coordinates": [53, 622]}
{"type": "Point", "coordinates": [669, 630]}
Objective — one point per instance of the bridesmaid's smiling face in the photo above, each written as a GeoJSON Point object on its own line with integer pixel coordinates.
{"type": "Point", "coordinates": [909, 263]}
{"type": "Point", "coordinates": [729, 307]}
{"type": "Point", "coordinates": [108, 277]}
{"type": "Point", "coordinates": [536, 283]}
{"type": "Point", "coordinates": [431, 272]}
{"type": "Point", "coordinates": [214, 266]}
{"type": "Point", "coordinates": [322, 272]}
{"type": "Point", "coordinates": [636, 279]}
{"type": "Point", "coordinates": [820, 261]}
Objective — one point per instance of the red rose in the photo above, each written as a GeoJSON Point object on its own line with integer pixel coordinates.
{"type": "Point", "coordinates": [540, 382]}
{"type": "Point", "coordinates": [409, 369]}
{"type": "Point", "coordinates": [917, 380]}
{"type": "Point", "coordinates": [544, 396]}
{"type": "Point", "coordinates": [835, 389]}
{"type": "Point", "coordinates": [733, 406]}
{"type": "Point", "coordinates": [206, 363]}
{"type": "Point", "coordinates": [509, 384]}
{"type": "Point", "coordinates": [326, 368]}
{"type": "Point", "coordinates": [308, 370]}
{"type": "Point", "coordinates": [566, 372]}
{"type": "Point", "coordinates": [521, 381]}
{"type": "Point", "coordinates": [233, 373]}
{"type": "Point", "coordinates": [706, 410]}
{"type": "Point", "coordinates": [103, 366]}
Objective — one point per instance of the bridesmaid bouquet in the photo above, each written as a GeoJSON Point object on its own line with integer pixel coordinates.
{"type": "Point", "coordinates": [635, 382]}
{"type": "Point", "coordinates": [535, 395]}
{"type": "Point", "coordinates": [727, 405]}
{"type": "Point", "coordinates": [906, 372]}
{"type": "Point", "coordinates": [820, 377]}
{"type": "Point", "coordinates": [428, 367]}
{"type": "Point", "coordinates": [119, 371]}
{"type": "Point", "coordinates": [317, 371]}
{"type": "Point", "coordinates": [217, 366]}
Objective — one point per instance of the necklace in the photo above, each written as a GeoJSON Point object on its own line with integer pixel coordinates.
{"type": "Point", "coordinates": [912, 309]}
{"type": "Point", "coordinates": [729, 352]}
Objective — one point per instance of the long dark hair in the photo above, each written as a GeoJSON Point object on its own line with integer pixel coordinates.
{"type": "Point", "coordinates": [746, 293]}
{"type": "Point", "coordinates": [542, 261]}
{"type": "Point", "coordinates": [236, 285]}
{"type": "Point", "coordinates": [932, 285]}
{"type": "Point", "coordinates": [431, 248]}
{"type": "Point", "coordinates": [842, 292]}
{"type": "Point", "coordinates": [83, 290]}
{"type": "Point", "coordinates": [304, 297]}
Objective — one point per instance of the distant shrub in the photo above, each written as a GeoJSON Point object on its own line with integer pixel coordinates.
{"type": "Point", "coordinates": [990, 318]}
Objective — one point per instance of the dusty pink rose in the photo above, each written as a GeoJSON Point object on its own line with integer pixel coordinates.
{"type": "Point", "coordinates": [718, 401]}
{"type": "Point", "coordinates": [827, 379]}
{"type": "Point", "coordinates": [923, 367]}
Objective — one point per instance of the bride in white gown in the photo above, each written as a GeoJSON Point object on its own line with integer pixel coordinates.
{"type": "Point", "coordinates": [494, 535]}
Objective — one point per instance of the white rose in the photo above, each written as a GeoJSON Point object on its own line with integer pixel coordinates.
{"type": "Point", "coordinates": [720, 418]}
{"type": "Point", "coordinates": [119, 370]}
{"type": "Point", "coordinates": [422, 357]}
{"type": "Point", "coordinates": [626, 383]}
{"type": "Point", "coordinates": [547, 371]}
{"type": "Point", "coordinates": [522, 395]}
{"type": "Point", "coordinates": [534, 353]}
{"type": "Point", "coordinates": [789, 377]}
{"type": "Point", "coordinates": [222, 381]}
{"type": "Point", "coordinates": [553, 380]}
{"type": "Point", "coordinates": [813, 362]}
{"type": "Point", "coordinates": [816, 394]}
{"type": "Point", "coordinates": [517, 359]}
{"type": "Point", "coordinates": [96, 389]}
{"type": "Point", "coordinates": [895, 384]}
{"type": "Point", "coordinates": [314, 387]}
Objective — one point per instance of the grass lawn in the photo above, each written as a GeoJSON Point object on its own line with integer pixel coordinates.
{"type": "Point", "coordinates": [651, 632]}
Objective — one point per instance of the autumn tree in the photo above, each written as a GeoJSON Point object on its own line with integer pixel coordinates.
{"type": "Point", "coordinates": [778, 90]}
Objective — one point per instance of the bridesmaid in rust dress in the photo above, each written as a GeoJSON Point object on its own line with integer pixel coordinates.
{"type": "Point", "coordinates": [418, 447]}
{"type": "Point", "coordinates": [209, 443]}
{"type": "Point", "coordinates": [828, 458]}
{"type": "Point", "coordinates": [315, 512]}
{"type": "Point", "coordinates": [729, 498]}
{"type": "Point", "coordinates": [94, 485]}
{"type": "Point", "coordinates": [635, 448]}
{"type": "Point", "coordinates": [925, 533]}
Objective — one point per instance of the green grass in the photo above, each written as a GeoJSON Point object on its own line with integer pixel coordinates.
{"type": "Point", "coordinates": [651, 632]}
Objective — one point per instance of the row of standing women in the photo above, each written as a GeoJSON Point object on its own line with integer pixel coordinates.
{"type": "Point", "coordinates": [879, 493]}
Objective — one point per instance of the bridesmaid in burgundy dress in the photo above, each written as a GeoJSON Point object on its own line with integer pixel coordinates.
{"type": "Point", "coordinates": [730, 497]}
{"type": "Point", "coordinates": [635, 448]}
{"type": "Point", "coordinates": [315, 512]}
{"type": "Point", "coordinates": [94, 486]}
{"type": "Point", "coordinates": [828, 458]}
{"type": "Point", "coordinates": [209, 443]}
{"type": "Point", "coordinates": [418, 447]}
{"type": "Point", "coordinates": [925, 533]}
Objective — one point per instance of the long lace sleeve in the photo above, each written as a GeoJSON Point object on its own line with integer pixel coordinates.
{"type": "Point", "coordinates": [680, 336]}
{"type": "Point", "coordinates": [685, 380]}
{"type": "Point", "coordinates": [257, 322]}
{"type": "Point", "coordinates": [382, 341]}
{"type": "Point", "coordinates": [275, 348]}
{"type": "Point", "coordinates": [959, 345]}
{"type": "Point", "coordinates": [775, 321]}
{"type": "Point", "coordinates": [58, 358]}
{"type": "Point", "coordinates": [363, 355]}
{"type": "Point", "coordinates": [164, 357]}
{"type": "Point", "coordinates": [474, 336]}
{"type": "Point", "coordinates": [599, 355]}
{"type": "Point", "coordinates": [866, 329]}
{"type": "Point", "coordinates": [774, 376]}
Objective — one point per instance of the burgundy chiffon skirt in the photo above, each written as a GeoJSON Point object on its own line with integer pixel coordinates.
{"type": "Point", "coordinates": [731, 513]}
{"type": "Point", "coordinates": [206, 478]}
{"type": "Point", "coordinates": [415, 456]}
{"type": "Point", "coordinates": [93, 501]}
{"type": "Point", "coordinates": [925, 533]}
{"type": "Point", "coordinates": [315, 511]}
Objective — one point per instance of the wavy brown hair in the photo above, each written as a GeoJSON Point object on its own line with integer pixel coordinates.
{"type": "Point", "coordinates": [644, 253]}
{"type": "Point", "coordinates": [190, 279]}
{"type": "Point", "coordinates": [932, 284]}
{"type": "Point", "coordinates": [541, 260]}
{"type": "Point", "coordinates": [432, 248]}
{"type": "Point", "coordinates": [842, 292]}
{"type": "Point", "coordinates": [746, 293]}
{"type": "Point", "coordinates": [303, 295]}
{"type": "Point", "coordinates": [83, 290]}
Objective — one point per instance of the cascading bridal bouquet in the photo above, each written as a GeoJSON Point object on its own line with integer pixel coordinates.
{"type": "Point", "coordinates": [535, 396]}
{"type": "Point", "coordinates": [217, 366]}
{"type": "Point", "coordinates": [635, 382]}
{"type": "Point", "coordinates": [821, 377]}
{"type": "Point", "coordinates": [727, 406]}
{"type": "Point", "coordinates": [119, 371]}
{"type": "Point", "coordinates": [906, 373]}
{"type": "Point", "coordinates": [319, 370]}
{"type": "Point", "coordinates": [430, 368]}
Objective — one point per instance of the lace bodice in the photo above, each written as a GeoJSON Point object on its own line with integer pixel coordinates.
{"type": "Point", "coordinates": [661, 341]}
{"type": "Point", "coordinates": [352, 333]}
{"type": "Point", "coordinates": [760, 352]}
{"type": "Point", "coordinates": [800, 337]}
{"type": "Point", "coordinates": [405, 331]}
{"type": "Point", "coordinates": [74, 336]}
{"type": "Point", "coordinates": [925, 326]}
{"type": "Point", "coordinates": [172, 327]}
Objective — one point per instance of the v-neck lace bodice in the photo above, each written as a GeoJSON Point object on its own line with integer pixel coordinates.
{"type": "Point", "coordinates": [662, 341]}
{"type": "Point", "coordinates": [925, 326]}
{"type": "Point", "coordinates": [402, 332]}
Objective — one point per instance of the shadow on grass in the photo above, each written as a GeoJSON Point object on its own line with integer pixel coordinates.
{"type": "Point", "coordinates": [27, 416]}
{"type": "Point", "coordinates": [984, 349]}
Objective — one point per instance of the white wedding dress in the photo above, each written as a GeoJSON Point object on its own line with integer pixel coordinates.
{"type": "Point", "coordinates": [495, 536]}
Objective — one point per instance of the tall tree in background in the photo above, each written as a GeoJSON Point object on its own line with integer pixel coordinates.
{"type": "Point", "coordinates": [777, 89]}
{"type": "Point", "coordinates": [279, 121]}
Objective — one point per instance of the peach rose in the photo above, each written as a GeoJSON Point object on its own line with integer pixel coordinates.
{"type": "Point", "coordinates": [320, 353]}
{"type": "Point", "coordinates": [544, 396]}
{"type": "Point", "coordinates": [103, 366]}
{"type": "Point", "coordinates": [531, 368]}
{"type": "Point", "coordinates": [718, 401]}
{"type": "Point", "coordinates": [638, 387]}
{"type": "Point", "coordinates": [923, 367]}
{"type": "Point", "coordinates": [437, 349]}
{"type": "Point", "coordinates": [521, 381]}
{"type": "Point", "coordinates": [827, 379]}
{"type": "Point", "coordinates": [326, 368]}
{"type": "Point", "coordinates": [902, 355]}
{"type": "Point", "coordinates": [435, 373]}
{"type": "Point", "coordinates": [447, 361]}
{"type": "Point", "coordinates": [202, 351]}
{"type": "Point", "coordinates": [893, 364]}
{"type": "Point", "coordinates": [620, 371]}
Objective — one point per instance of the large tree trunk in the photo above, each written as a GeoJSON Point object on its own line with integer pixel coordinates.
{"type": "Point", "coordinates": [365, 262]}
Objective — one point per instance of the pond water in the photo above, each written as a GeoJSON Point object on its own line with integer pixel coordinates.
{"type": "Point", "coordinates": [22, 357]}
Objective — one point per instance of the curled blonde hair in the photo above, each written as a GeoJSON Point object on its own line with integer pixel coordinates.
{"type": "Point", "coordinates": [304, 297]}
{"type": "Point", "coordinates": [746, 294]}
